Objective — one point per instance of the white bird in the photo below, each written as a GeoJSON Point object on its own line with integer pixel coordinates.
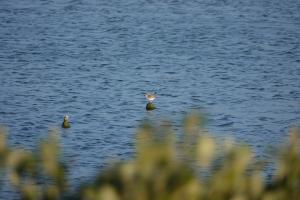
{"type": "Point", "coordinates": [150, 97]}
{"type": "Point", "coordinates": [66, 117]}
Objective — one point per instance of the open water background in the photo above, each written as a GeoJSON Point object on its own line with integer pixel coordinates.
{"type": "Point", "coordinates": [236, 60]}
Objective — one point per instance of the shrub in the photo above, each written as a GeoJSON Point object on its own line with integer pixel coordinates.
{"type": "Point", "coordinates": [196, 167]}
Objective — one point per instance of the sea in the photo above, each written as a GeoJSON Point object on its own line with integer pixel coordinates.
{"type": "Point", "coordinates": [235, 61]}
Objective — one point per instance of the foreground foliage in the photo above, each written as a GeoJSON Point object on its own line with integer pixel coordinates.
{"type": "Point", "coordinates": [197, 167]}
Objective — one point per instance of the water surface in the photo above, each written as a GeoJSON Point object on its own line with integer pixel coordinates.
{"type": "Point", "coordinates": [238, 61]}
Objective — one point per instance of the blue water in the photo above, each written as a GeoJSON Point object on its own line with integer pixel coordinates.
{"type": "Point", "coordinates": [237, 61]}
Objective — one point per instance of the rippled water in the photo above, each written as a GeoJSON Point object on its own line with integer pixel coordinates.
{"type": "Point", "coordinates": [238, 61]}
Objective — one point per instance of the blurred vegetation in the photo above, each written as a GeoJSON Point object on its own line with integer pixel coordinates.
{"type": "Point", "coordinates": [195, 167]}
